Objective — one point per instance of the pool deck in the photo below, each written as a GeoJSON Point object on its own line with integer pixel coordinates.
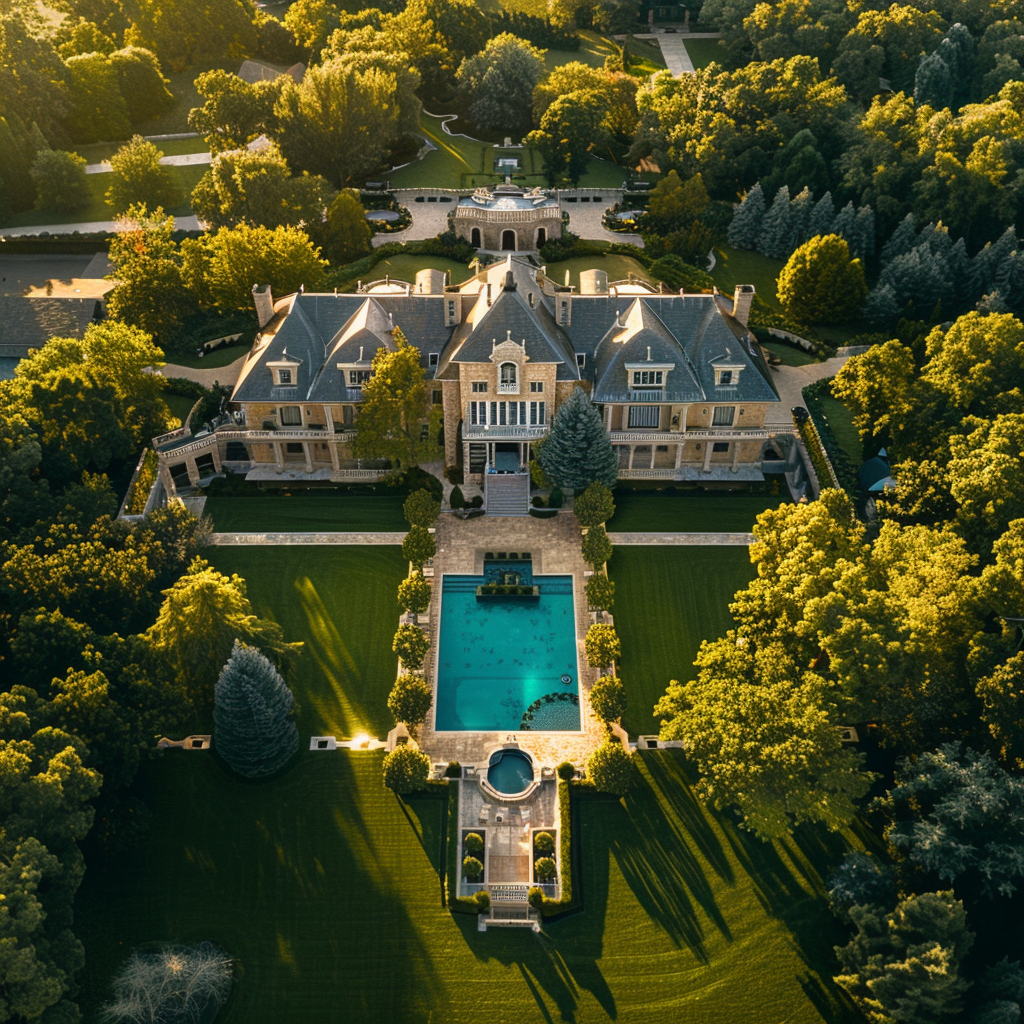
{"type": "Point", "coordinates": [555, 547]}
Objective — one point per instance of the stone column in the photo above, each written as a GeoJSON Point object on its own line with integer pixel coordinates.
{"type": "Point", "coordinates": [654, 454]}
{"type": "Point", "coordinates": [679, 455]}
{"type": "Point", "coordinates": [193, 471]}
{"type": "Point", "coordinates": [307, 453]}
{"type": "Point", "coordinates": [608, 418]}
{"type": "Point", "coordinates": [167, 480]}
{"type": "Point", "coordinates": [708, 448]}
{"type": "Point", "coordinates": [332, 447]}
{"type": "Point", "coordinates": [632, 452]}
{"type": "Point", "coordinates": [682, 418]}
{"type": "Point", "coordinates": [329, 418]}
{"type": "Point", "coordinates": [735, 455]}
{"type": "Point", "coordinates": [278, 455]}
{"type": "Point", "coordinates": [218, 464]}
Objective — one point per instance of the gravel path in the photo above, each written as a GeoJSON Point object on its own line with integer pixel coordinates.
{"type": "Point", "coordinates": [682, 539]}
{"type": "Point", "coordinates": [247, 539]}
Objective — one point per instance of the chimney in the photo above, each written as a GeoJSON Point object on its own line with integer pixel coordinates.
{"type": "Point", "coordinates": [742, 300]}
{"type": "Point", "coordinates": [452, 307]}
{"type": "Point", "coordinates": [264, 303]}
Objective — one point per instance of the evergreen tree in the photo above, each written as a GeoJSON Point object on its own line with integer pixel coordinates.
{"type": "Point", "coordinates": [933, 83]}
{"type": "Point", "coordinates": [746, 221]}
{"type": "Point", "coordinates": [577, 451]}
{"type": "Point", "coordinates": [253, 728]}
{"type": "Point", "coordinates": [800, 212]}
{"type": "Point", "coordinates": [966, 275]}
{"type": "Point", "coordinates": [901, 241]}
{"type": "Point", "coordinates": [1010, 283]}
{"type": "Point", "coordinates": [823, 216]}
{"type": "Point", "coordinates": [863, 244]}
{"type": "Point", "coordinates": [989, 260]}
{"type": "Point", "coordinates": [843, 225]}
{"type": "Point", "coordinates": [773, 238]}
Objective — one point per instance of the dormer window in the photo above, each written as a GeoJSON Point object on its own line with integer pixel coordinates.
{"type": "Point", "coordinates": [648, 378]}
{"type": "Point", "coordinates": [284, 376]}
{"type": "Point", "coordinates": [284, 371]}
{"type": "Point", "coordinates": [357, 378]}
{"type": "Point", "coordinates": [432, 358]}
{"type": "Point", "coordinates": [727, 376]}
{"type": "Point", "coordinates": [508, 379]}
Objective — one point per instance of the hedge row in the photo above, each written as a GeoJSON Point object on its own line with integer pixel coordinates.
{"type": "Point", "coordinates": [568, 902]}
{"type": "Point", "coordinates": [456, 903]}
{"type": "Point", "coordinates": [136, 503]}
{"type": "Point", "coordinates": [846, 471]}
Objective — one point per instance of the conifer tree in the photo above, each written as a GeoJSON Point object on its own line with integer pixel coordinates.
{"type": "Point", "coordinates": [800, 212]}
{"type": "Point", "coordinates": [746, 221]}
{"type": "Point", "coordinates": [990, 260]}
{"type": "Point", "coordinates": [863, 244]}
{"type": "Point", "coordinates": [844, 222]}
{"type": "Point", "coordinates": [901, 241]}
{"type": "Point", "coordinates": [773, 238]}
{"type": "Point", "coordinates": [1010, 283]}
{"type": "Point", "coordinates": [253, 728]}
{"type": "Point", "coordinates": [933, 83]}
{"type": "Point", "coordinates": [881, 306]}
{"type": "Point", "coordinates": [966, 275]}
{"type": "Point", "coordinates": [823, 216]}
{"type": "Point", "coordinates": [577, 451]}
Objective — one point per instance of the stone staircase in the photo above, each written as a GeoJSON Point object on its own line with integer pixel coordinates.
{"type": "Point", "coordinates": [507, 494]}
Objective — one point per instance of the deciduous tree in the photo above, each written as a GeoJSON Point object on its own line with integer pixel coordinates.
{"type": "Point", "coordinates": [410, 699]}
{"type": "Point", "coordinates": [821, 284]}
{"type": "Point", "coordinates": [61, 182]}
{"type": "Point", "coordinates": [608, 699]}
{"type": "Point", "coordinates": [611, 768]}
{"type": "Point", "coordinates": [137, 176]}
{"type": "Point", "coordinates": [498, 83]}
{"type": "Point", "coordinates": [406, 770]}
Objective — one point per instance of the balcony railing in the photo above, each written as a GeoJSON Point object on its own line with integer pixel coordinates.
{"type": "Point", "coordinates": [203, 442]}
{"type": "Point", "coordinates": [677, 436]}
{"type": "Point", "coordinates": [507, 387]}
{"type": "Point", "coordinates": [498, 432]}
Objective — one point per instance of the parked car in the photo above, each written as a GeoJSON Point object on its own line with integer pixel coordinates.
{"type": "Point", "coordinates": [800, 414]}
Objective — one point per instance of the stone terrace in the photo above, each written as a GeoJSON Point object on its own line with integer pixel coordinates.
{"type": "Point", "coordinates": [555, 547]}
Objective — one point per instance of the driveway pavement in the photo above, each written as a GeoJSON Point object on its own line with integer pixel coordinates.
{"type": "Point", "coordinates": [585, 218]}
{"type": "Point", "coordinates": [429, 218]}
{"type": "Point", "coordinates": [86, 227]}
{"type": "Point", "coordinates": [790, 381]}
{"type": "Point", "coordinates": [181, 160]}
{"type": "Point", "coordinates": [673, 49]}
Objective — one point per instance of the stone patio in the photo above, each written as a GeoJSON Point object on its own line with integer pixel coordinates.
{"type": "Point", "coordinates": [554, 545]}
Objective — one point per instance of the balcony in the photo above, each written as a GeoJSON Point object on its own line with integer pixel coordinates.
{"type": "Point", "coordinates": [499, 432]}
{"type": "Point", "coordinates": [698, 434]}
{"type": "Point", "coordinates": [508, 387]}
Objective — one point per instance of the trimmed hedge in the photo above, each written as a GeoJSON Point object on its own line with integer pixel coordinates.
{"type": "Point", "coordinates": [554, 908]}
{"type": "Point", "coordinates": [136, 503]}
{"type": "Point", "coordinates": [457, 904]}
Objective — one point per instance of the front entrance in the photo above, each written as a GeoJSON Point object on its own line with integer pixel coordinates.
{"type": "Point", "coordinates": [507, 457]}
{"type": "Point", "coordinates": [508, 241]}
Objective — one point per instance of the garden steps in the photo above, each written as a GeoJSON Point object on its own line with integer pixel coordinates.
{"type": "Point", "coordinates": [507, 495]}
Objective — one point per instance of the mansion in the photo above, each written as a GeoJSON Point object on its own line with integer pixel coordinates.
{"type": "Point", "coordinates": [680, 382]}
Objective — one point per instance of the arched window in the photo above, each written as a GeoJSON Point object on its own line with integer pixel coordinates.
{"type": "Point", "coordinates": [542, 237]}
{"type": "Point", "coordinates": [508, 381]}
{"type": "Point", "coordinates": [474, 238]}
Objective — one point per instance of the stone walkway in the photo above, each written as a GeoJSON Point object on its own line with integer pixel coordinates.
{"type": "Point", "coordinates": [790, 381]}
{"type": "Point", "coordinates": [245, 539]}
{"type": "Point", "coordinates": [217, 375]}
{"type": "Point", "coordinates": [179, 160]}
{"type": "Point", "coordinates": [673, 49]}
{"type": "Point", "coordinates": [85, 227]}
{"type": "Point", "coordinates": [554, 545]}
{"type": "Point", "coordinates": [694, 539]}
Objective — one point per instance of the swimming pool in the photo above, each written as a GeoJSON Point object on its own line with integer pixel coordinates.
{"type": "Point", "coordinates": [498, 657]}
{"type": "Point", "coordinates": [510, 771]}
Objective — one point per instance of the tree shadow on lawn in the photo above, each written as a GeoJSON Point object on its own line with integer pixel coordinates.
{"type": "Point", "coordinates": [288, 876]}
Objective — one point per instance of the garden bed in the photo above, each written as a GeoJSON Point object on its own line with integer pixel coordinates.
{"type": "Point", "coordinates": [489, 590]}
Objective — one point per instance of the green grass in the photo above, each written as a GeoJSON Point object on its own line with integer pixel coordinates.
{"type": "Point", "coordinates": [790, 355]}
{"type": "Point", "coordinates": [300, 513]}
{"type": "Point", "coordinates": [840, 419]}
{"type": "Point", "coordinates": [696, 513]}
{"type": "Point", "coordinates": [96, 152]}
{"type": "Point", "coordinates": [326, 891]}
{"type": "Point", "coordinates": [214, 361]}
{"type": "Point", "coordinates": [180, 405]}
{"type": "Point", "coordinates": [741, 266]}
{"type": "Point", "coordinates": [667, 600]}
{"type": "Point", "coordinates": [404, 268]}
{"type": "Point", "coordinates": [340, 601]}
{"type": "Point", "coordinates": [703, 51]}
{"type": "Point", "coordinates": [618, 268]}
{"type": "Point", "coordinates": [594, 48]}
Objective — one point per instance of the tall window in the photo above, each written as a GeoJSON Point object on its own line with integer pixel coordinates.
{"type": "Point", "coordinates": [509, 376]}
{"type": "Point", "coordinates": [723, 415]}
{"type": "Point", "coordinates": [537, 414]}
{"type": "Point", "coordinates": [291, 416]}
{"type": "Point", "coordinates": [644, 415]}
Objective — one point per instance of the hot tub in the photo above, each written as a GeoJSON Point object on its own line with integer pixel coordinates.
{"type": "Point", "coordinates": [510, 772]}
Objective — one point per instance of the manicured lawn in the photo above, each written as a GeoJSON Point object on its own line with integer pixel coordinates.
{"type": "Point", "coordinates": [213, 361]}
{"type": "Point", "coordinates": [742, 266]}
{"type": "Point", "coordinates": [667, 600]}
{"type": "Point", "coordinates": [325, 889]}
{"type": "Point", "coordinates": [789, 354]}
{"type": "Point", "coordinates": [404, 268]}
{"type": "Point", "coordinates": [340, 601]}
{"type": "Point", "coordinates": [618, 268]}
{"type": "Point", "coordinates": [301, 513]}
{"type": "Point", "coordinates": [840, 419]}
{"type": "Point", "coordinates": [95, 152]}
{"type": "Point", "coordinates": [703, 51]}
{"type": "Point", "coordinates": [594, 48]}
{"type": "Point", "coordinates": [688, 513]}
{"type": "Point", "coordinates": [180, 405]}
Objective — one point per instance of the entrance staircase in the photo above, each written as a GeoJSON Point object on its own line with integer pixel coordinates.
{"type": "Point", "coordinates": [507, 494]}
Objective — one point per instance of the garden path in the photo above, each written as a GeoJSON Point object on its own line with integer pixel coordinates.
{"type": "Point", "coordinates": [215, 375]}
{"type": "Point", "coordinates": [790, 382]}
{"type": "Point", "coordinates": [677, 539]}
{"type": "Point", "coordinates": [247, 539]}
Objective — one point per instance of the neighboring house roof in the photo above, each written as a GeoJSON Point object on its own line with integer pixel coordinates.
{"type": "Point", "coordinates": [875, 474]}
{"type": "Point", "coordinates": [31, 322]}
{"type": "Point", "coordinates": [253, 71]}
{"type": "Point", "coordinates": [505, 302]}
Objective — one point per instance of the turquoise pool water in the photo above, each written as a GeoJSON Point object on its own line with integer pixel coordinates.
{"type": "Point", "coordinates": [510, 771]}
{"type": "Point", "coordinates": [499, 656]}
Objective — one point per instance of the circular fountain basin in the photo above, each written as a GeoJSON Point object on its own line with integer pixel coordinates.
{"type": "Point", "coordinates": [382, 215]}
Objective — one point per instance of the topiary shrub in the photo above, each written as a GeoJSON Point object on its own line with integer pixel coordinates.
{"type": "Point", "coordinates": [456, 499]}
{"type": "Point", "coordinates": [566, 771]}
{"type": "Point", "coordinates": [602, 645]}
{"type": "Point", "coordinates": [544, 870]}
{"type": "Point", "coordinates": [418, 546]}
{"type": "Point", "coordinates": [472, 869]}
{"type": "Point", "coordinates": [544, 841]}
{"type": "Point", "coordinates": [406, 770]}
{"type": "Point", "coordinates": [453, 771]}
{"type": "Point", "coordinates": [594, 507]}
{"type": "Point", "coordinates": [410, 699]}
{"type": "Point", "coordinates": [600, 592]}
{"type": "Point", "coordinates": [611, 769]}
{"type": "Point", "coordinates": [421, 508]}
{"type": "Point", "coordinates": [535, 897]}
{"type": "Point", "coordinates": [411, 645]}
{"type": "Point", "coordinates": [608, 699]}
{"type": "Point", "coordinates": [473, 843]}
{"type": "Point", "coordinates": [477, 501]}
{"type": "Point", "coordinates": [483, 900]}
{"type": "Point", "coordinates": [556, 499]}
{"type": "Point", "coordinates": [414, 593]}
{"type": "Point", "coordinates": [597, 548]}
{"type": "Point", "coordinates": [253, 728]}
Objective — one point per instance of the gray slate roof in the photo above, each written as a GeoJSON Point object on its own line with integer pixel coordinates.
{"type": "Point", "coordinates": [30, 323]}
